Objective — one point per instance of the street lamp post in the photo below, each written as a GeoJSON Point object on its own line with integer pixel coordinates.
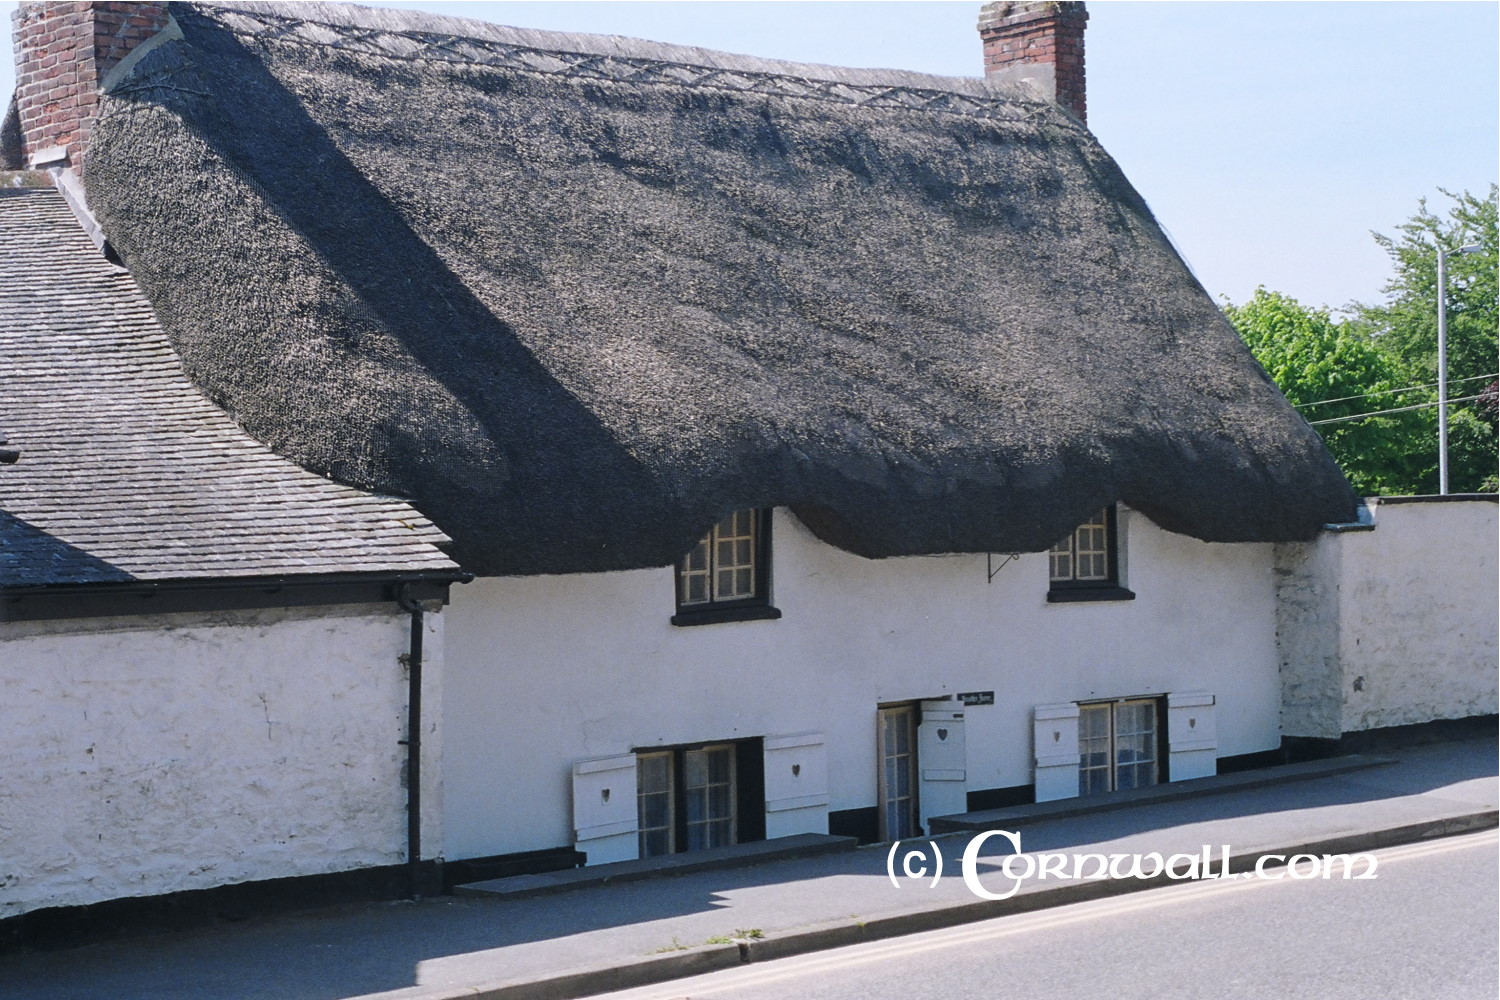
{"type": "Point", "coordinates": [1442, 362]}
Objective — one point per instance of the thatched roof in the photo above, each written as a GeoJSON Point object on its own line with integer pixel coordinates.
{"type": "Point", "coordinates": [127, 473]}
{"type": "Point", "coordinates": [579, 296]}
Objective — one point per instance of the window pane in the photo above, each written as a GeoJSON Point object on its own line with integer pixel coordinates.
{"type": "Point", "coordinates": [653, 777]}
{"type": "Point", "coordinates": [1137, 776]}
{"type": "Point", "coordinates": [718, 763]}
{"type": "Point", "coordinates": [720, 805]}
{"type": "Point", "coordinates": [1093, 721]}
{"type": "Point", "coordinates": [656, 811]}
{"type": "Point", "coordinates": [694, 769]}
{"type": "Point", "coordinates": [713, 834]}
{"type": "Point", "coordinates": [695, 804]}
{"type": "Point", "coordinates": [1132, 749]}
{"type": "Point", "coordinates": [1094, 758]}
{"type": "Point", "coordinates": [1062, 560]}
{"type": "Point", "coordinates": [902, 724]}
{"type": "Point", "coordinates": [1092, 781]}
{"type": "Point", "coordinates": [654, 843]}
{"type": "Point", "coordinates": [652, 773]}
{"type": "Point", "coordinates": [693, 574]}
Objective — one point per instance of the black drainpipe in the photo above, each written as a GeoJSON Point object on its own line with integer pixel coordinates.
{"type": "Point", "coordinates": [413, 743]}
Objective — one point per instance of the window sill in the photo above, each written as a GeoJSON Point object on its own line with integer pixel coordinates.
{"type": "Point", "coordinates": [1073, 595]}
{"type": "Point", "coordinates": [714, 616]}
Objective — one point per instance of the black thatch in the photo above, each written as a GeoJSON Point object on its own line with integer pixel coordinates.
{"type": "Point", "coordinates": [579, 296]}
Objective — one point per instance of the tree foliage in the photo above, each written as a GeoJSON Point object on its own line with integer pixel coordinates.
{"type": "Point", "coordinates": [1327, 369]}
{"type": "Point", "coordinates": [1391, 346]}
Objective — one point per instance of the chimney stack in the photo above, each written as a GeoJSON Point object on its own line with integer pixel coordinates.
{"type": "Point", "coordinates": [63, 52]}
{"type": "Point", "coordinates": [1041, 42]}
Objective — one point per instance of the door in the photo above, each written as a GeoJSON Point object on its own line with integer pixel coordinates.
{"type": "Point", "coordinates": [896, 738]}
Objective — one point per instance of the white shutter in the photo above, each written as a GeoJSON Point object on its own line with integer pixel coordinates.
{"type": "Point", "coordinates": [1192, 735]}
{"type": "Point", "coordinates": [604, 809]}
{"type": "Point", "coordinates": [942, 760]}
{"type": "Point", "coordinates": [1055, 733]}
{"type": "Point", "coordinates": [796, 785]}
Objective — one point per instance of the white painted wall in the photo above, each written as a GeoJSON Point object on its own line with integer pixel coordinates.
{"type": "Point", "coordinates": [1405, 631]}
{"type": "Point", "coordinates": [152, 755]}
{"type": "Point", "coordinates": [544, 671]}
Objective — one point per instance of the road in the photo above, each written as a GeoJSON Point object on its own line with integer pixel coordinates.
{"type": "Point", "coordinates": [1425, 926]}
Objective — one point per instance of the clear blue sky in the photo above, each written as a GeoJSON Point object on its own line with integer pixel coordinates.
{"type": "Point", "coordinates": [1269, 138]}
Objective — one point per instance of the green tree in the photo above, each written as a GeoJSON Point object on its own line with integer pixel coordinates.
{"type": "Point", "coordinates": [1328, 369]}
{"type": "Point", "coordinates": [1385, 358]}
{"type": "Point", "coordinates": [1404, 328]}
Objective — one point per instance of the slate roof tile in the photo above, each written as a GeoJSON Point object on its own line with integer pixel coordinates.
{"type": "Point", "coordinates": [128, 472]}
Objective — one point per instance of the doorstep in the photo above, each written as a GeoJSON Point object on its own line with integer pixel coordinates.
{"type": "Point", "coordinates": [801, 845]}
{"type": "Point", "coordinates": [1011, 817]}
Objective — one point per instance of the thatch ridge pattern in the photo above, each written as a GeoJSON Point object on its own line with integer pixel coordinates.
{"type": "Point", "coordinates": [430, 47]}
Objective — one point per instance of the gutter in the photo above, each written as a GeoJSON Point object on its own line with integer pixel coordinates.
{"type": "Point", "coordinates": [39, 602]}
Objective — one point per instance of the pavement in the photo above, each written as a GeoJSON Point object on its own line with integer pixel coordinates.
{"type": "Point", "coordinates": [598, 936]}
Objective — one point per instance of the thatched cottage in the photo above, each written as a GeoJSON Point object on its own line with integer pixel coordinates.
{"type": "Point", "coordinates": [836, 448]}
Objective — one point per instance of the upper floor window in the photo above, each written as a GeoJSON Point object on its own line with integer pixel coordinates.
{"type": "Point", "coordinates": [1086, 564]}
{"type": "Point", "coordinates": [727, 575]}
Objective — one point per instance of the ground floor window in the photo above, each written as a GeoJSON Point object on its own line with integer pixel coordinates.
{"type": "Point", "coordinates": [699, 797]}
{"type": "Point", "coordinates": [896, 739]}
{"type": "Point", "coordinates": [1119, 745]}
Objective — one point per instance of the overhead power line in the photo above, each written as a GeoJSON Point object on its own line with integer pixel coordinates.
{"type": "Point", "coordinates": [1387, 392]}
{"type": "Point", "coordinates": [1399, 409]}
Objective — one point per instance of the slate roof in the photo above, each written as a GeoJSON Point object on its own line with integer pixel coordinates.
{"type": "Point", "coordinates": [127, 472]}
{"type": "Point", "coordinates": [579, 296]}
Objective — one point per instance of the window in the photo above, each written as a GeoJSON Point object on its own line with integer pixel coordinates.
{"type": "Point", "coordinates": [897, 738]}
{"type": "Point", "coordinates": [1119, 745]}
{"type": "Point", "coordinates": [695, 798]}
{"type": "Point", "coordinates": [1086, 564]}
{"type": "Point", "coordinates": [727, 575]}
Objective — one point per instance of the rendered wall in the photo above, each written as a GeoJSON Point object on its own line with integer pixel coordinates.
{"type": "Point", "coordinates": [543, 671]}
{"type": "Point", "coordinates": [152, 755]}
{"type": "Point", "coordinates": [1407, 628]}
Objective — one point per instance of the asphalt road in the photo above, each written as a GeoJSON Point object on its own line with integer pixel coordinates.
{"type": "Point", "coordinates": [1425, 926]}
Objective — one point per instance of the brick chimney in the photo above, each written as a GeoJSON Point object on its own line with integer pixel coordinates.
{"type": "Point", "coordinates": [1041, 42]}
{"type": "Point", "coordinates": [63, 52]}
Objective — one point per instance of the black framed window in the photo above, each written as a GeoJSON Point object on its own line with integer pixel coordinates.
{"type": "Point", "coordinates": [1121, 745]}
{"type": "Point", "coordinates": [695, 798]}
{"type": "Point", "coordinates": [727, 575]}
{"type": "Point", "coordinates": [1085, 566]}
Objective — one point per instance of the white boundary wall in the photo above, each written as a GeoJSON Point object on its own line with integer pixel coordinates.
{"type": "Point", "coordinates": [157, 754]}
{"type": "Point", "coordinates": [547, 671]}
{"type": "Point", "coordinates": [1392, 626]}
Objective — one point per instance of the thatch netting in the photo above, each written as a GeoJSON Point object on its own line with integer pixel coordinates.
{"type": "Point", "coordinates": [578, 297]}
